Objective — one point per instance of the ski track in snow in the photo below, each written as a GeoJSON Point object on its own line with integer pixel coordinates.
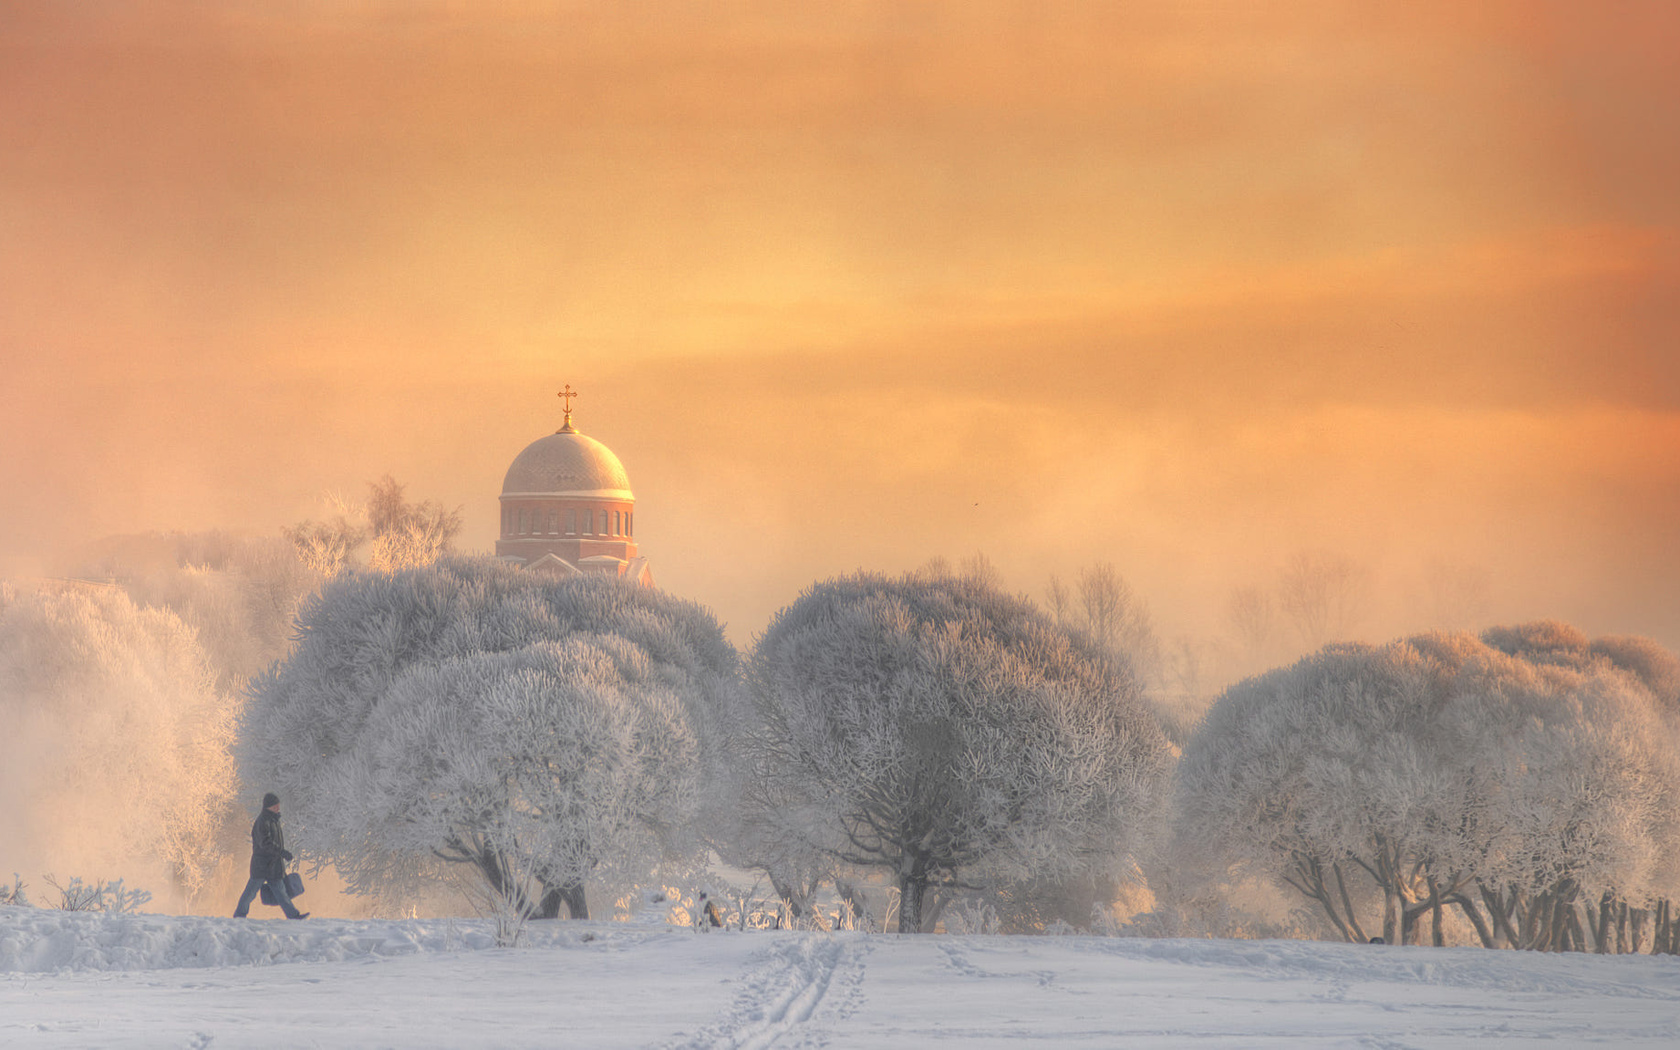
{"type": "Point", "coordinates": [783, 992]}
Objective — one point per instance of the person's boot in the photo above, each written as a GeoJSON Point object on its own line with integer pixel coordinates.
{"type": "Point", "coordinates": [301, 915]}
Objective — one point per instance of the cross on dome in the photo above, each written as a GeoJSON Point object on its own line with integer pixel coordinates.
{"type": "Point", "coordinates": [565, 397]}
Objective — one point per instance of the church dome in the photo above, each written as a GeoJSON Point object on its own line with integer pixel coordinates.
{"type": "Point", "coordinates": [567, 463]}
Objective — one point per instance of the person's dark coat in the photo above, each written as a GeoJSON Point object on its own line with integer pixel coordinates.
{"type": "Point", "coordinates": [268, 847]}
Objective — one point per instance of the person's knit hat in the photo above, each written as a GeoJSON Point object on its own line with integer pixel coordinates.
{"type": "Point", "coordinates": [270, 799]}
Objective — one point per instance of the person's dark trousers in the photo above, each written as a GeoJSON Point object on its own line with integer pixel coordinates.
{"type": "Point", "coordinates": [277, 887]}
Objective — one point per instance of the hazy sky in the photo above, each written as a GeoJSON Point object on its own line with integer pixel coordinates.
{"type": "Point", "coordinates": [1187, 287]}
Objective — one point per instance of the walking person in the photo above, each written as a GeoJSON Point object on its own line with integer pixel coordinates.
{"type": "Point", "coordinates": [268, 862]}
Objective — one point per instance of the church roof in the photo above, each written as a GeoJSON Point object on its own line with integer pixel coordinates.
{"type": "Point", "coordinates": [567, 463]}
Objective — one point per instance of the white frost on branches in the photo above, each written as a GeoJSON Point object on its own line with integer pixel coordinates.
{"type": "Point", "coordinates": [1511, 780]}
{"type": "Point", "coordinates": [575, 756]}
{"type": "Point", "coordinates": [938, 728]}
{"type": "Point", "coordinates": [473, 713]}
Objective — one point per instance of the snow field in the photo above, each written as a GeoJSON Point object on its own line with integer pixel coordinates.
{"type": "Point", "coordinates": [78, 980]}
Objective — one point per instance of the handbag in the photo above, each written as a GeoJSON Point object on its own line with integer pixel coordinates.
{"type": "Point", "coordinates": [294, 889]}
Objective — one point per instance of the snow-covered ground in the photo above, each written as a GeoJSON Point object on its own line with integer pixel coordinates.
{"type": "Point", "coordinates": [84, 980]}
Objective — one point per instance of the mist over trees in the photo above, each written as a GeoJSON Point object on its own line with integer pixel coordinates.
{"type": "Point", "coordinates": [116, 737]}
{"type": "Point", "coordinates": [535, 732]}
{"type": "Point", "coordinates": [241, 593]}
{"type": "Point", "coordinates": [238, 593]}
{"type": "Point", "coordinates": [940, 730]}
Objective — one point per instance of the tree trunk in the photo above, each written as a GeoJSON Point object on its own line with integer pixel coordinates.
{"type": "Point", "coordinates": [502, 883]}
{"type": "Point", "coordinates": [1537, 917]}
{"type": "Point", "coordinates": [910, 890]}
{"type": "Point", "coordinates": [1307, 878]}
{"type": "Point", "coordinates": [1601, 931]}
{"type": "Point", "coordinates": [1474, 914]}
{"type": "Point", "coordinates": [568, 893]}
{"type": "Point", "coordinates": [795, 904]}
{"type": "Point", "coordinates": [1347, 903]}
{"type": "Point", "coordinates": [1409, 916]}
{"type": "Point", "coordinates": [1577, 937]}
{"type": "Point", "coordinates": [1437, 935]}
{"type": "Point", "coordinates": [1501, 917]}
{"type": "Point", "coordinates": [1342, 927]}
{"type": "Point", "coordinates": [577, 906]}
{"type": "Point", "coordinates": [1391, 916]}
{"type": "Point", "coordinates": [912, 886]}
{"type": "Point", "coordinates": [931, 912]}
{"type": "Point", "coordinates": [1566, 921]}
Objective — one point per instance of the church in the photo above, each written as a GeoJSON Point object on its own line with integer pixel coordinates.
{"type": "Point", "coordinates": [567, 508]}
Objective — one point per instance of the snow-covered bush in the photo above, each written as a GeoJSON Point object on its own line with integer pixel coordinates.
{"type": "Point", "coordinates": [940, 729]}
{"type": "Point", "coordinates": [112, 898]}
{"type": "Point", "coordinates": [1511, 781]}
{"type": "Point", "coordinates": [116, 747]}
{"type": "Point", "coordinates": [473, 714]}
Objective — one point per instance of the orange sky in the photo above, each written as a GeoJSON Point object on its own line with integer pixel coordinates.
{"type": "Point", "coordinates": [1187, 287]}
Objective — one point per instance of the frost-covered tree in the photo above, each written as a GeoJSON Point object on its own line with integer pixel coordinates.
{"type": "Point", "coordinates": [398, 534]}
{"type": "Point", "coordinates": [1250, 614]}
{"type": "Point", "coordinates": [1440, 772]}
{"type": "Point", "coordinates": [1315, 773]}
{"type": "Point", "coordinates": [1656, 668]}
{"type": "Point", "coordinates": [328, 546]}
{"type": "Point", "coordinates": [407, 535]}
{"type": "Point", "coordinates": [1627, 728]}
{"type": "Point", "coordinates": [1589, 785]}
{"type": "Point", "coordinates": [505, 722]}
{"type": "Point", "coordinates": [942, 730]}
{"type": "Point", "coordinates": [569, 760]}
{"type": "Point", "coordinates": [115, 745]}
{"type": "Point", "coordinates": [1102, 605]}
{"type": "Point", "coordinates": [1118, 618]}
{"type": "Point", "coordinates": [1323, 595]}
